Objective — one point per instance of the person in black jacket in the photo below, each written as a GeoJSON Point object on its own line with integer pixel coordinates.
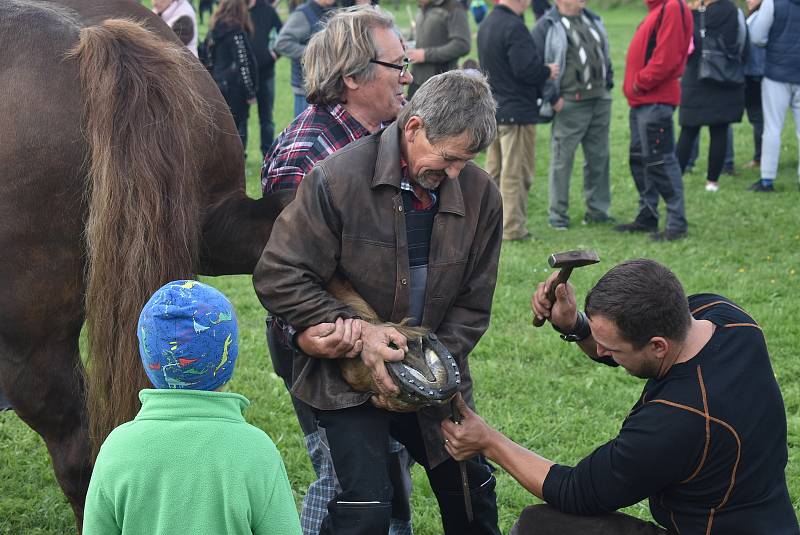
{"type": "Point", "coordinates": [232, 62]}
{"type": "Point", "coordinates": [516, 73]}
{"type": "Point", "coordinates": [707, 103]}
{"type": "Point", "coordinates": [266, 25]}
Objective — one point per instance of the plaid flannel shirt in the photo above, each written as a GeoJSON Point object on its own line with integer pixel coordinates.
{"type": "Point", "coordinates": [314, 135]}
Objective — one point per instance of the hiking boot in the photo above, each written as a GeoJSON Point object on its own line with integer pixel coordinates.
{"type": "Point", "coordinates": [635, 227]}
{"type": "Point", "coordinates": [759, 186]}
{"type": "Point", "coordinates": [668, 235]}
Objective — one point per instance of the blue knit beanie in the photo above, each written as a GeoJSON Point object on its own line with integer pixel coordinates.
{"type": "Point", "coordinates": [188, 337]}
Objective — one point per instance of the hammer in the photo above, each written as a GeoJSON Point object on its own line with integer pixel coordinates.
{"type": "Point", "coordinates": [567, 261]}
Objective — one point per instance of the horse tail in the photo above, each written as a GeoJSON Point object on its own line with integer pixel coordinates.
{"type": "Point", "coordinates": [143, 119]}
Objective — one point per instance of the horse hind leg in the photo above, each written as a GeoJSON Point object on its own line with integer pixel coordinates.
{"type": "Point", "coordinates": [44, 382]}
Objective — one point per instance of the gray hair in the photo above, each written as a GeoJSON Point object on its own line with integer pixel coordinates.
{"type": "Point", "coordinates": [453, 103]}
{"type": "Point", "coordinates": [344, 47]}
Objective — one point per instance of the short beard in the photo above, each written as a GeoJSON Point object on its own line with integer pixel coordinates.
{"type": "Point", "coordinates": [430, 179]}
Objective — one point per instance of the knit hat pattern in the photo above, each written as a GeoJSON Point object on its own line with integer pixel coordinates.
{"type": "Point", "coordinates": [188, 337]}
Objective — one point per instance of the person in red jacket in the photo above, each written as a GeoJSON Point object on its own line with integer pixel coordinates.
{"type": "Point", "coordinates": [655, 61]}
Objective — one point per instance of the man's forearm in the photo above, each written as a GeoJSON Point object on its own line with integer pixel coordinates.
{"type": "Point", "coordinates": [528, 468]}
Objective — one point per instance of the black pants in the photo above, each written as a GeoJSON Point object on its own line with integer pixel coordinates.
{"type": "Point", "coordinates": [240, 110]}
{"type": "Point", "coordinates": [716, 149]}
{"type": "Point", "coordinates": [755, 113]}
{"type": "Point", "coordinates": [358, 438]}
{"type": "Point", "coordinates": [546, 520]}
{"type": "Point", "coordinates": [265, 97]}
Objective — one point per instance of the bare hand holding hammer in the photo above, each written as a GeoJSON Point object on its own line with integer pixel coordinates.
{"type": "Point", "coordinates": [564, 312]}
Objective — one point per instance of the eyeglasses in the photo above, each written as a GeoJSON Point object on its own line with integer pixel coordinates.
{"type": "Point", "coordinates": [403, 67]}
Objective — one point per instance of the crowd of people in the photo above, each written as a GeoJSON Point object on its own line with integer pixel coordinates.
{"type": "Point", "coordinates": [377, 177]}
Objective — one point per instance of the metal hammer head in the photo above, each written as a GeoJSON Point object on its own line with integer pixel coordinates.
{"type": "Point", "coordinates": [573, 259]}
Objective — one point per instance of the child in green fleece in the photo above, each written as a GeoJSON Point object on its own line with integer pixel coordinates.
{"type": "Point", "coordinates": [189, 462]}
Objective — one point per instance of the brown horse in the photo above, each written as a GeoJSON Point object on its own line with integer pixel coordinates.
{"type": "Point", "coordinates": [121, 169]}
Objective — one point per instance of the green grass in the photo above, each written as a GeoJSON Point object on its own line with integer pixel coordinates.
{"type": "Point", "coordinates": [529, 384]}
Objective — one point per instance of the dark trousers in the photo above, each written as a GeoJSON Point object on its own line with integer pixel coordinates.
{"type": "Point", "coordinates": [546, 520]}
{"type": "Point", "coordinates": [399, 463]}
{"type": "Point", "coordinates": [359, 437]}
{"type": "Point", "coordinates": [240, 110]}
{"type": "Point", "coordinates": [265, 97]}
{"type": "Point", "coordinates": [755, 113]}
{"type": "Point", "coordinates": [716, 148]}
{"type": "Point", "coordinates": [654, 166]}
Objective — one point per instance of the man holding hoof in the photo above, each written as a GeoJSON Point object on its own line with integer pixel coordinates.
{"type": "Point", "coordinates": [705, 443]}
{"type": "Point", "coordinates": [353, 92]}
{"type": "Point", "coordinates": [416, 228]}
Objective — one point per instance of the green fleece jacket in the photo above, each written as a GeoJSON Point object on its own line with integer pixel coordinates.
{"type": "Point", "coordinates": [189, 463]}
{"type": "Point", "coordinates": [442, 30]}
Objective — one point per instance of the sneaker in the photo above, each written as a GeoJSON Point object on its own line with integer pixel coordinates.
{"type": "Point", "coordinates": [729, 170]}
{"type": "Point", "coordinates": [759, 186]}
{"type": "Point", "coordinates": [597, 218]}
{"type": "Point", "coordinates": [712, 187]}
{"type": "Point", "coordinates": [752, 164]}
{"type": "Point", "coordinates": [635, 227]}
{"type": "Point", "coordinates": [559, 226]}
{"type": "Point", "coordinates": [668, 235]}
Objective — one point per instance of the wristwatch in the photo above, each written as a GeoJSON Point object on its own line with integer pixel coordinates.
{"type": "Point", "coordinates": [580, 331]}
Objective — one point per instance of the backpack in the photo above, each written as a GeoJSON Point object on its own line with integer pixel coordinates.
{"type": "Point", "coordinates": [205, 52]}
{"type": "Point", "coordinates": [717, 62]}
{"type": "Point", "coordinates": [651, 42]}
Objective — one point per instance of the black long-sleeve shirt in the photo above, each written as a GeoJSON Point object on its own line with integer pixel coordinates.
{"type": "Point", "coordinates": [706, 443]}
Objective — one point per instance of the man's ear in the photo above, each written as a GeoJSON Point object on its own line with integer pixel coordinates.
{"type": "Point", "coordinates": [350, 83]}
{"type": "Point", "coordinates": [659, 346]}
{"type": "Point", "coordinates": [412, 128]}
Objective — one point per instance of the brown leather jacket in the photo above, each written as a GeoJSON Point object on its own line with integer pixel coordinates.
{"type": "Point", "coordinates": [348, 217]}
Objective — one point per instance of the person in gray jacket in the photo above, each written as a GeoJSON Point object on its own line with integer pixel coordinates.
{"type": "Point", "coordinates": [442, 37]}
{"type": "Point", "coordinates": [304, 22]}
{"type": "Point", "coordinates": [579, 103]}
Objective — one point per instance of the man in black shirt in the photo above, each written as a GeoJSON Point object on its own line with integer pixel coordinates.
{"type": "Point", "coordinates": [705, 443]}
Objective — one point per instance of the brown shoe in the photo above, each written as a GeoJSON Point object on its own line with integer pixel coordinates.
{"type": "Point", "coordinates": [752, 164]}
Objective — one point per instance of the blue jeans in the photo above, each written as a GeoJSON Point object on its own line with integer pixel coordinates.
{"type": "Point", "coordinates": [265, 97]}
{"type": "Point", "coordinates": [654, 166]}
{"type": "Point", "coordinates": [300, 104]}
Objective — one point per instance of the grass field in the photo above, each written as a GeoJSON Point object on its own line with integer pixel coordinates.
{"type": "Point", "coordinates": [530, 384]}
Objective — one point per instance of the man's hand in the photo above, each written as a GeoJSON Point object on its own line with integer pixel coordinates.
{"type": "Point", "coordinates": [332, 340]}
{"type": "Point", "coordinates": [564, 313]}
{"type": "Point", "coordinates": [416, 55]}
{"type": "Point", "coordinates": [377, 350]}
{"type": "Point", "coordinates": [554, 70]}
{"type": "Point", "coordinates": [468, 438]}
{"type": "Point", "coordinates": [559, 105]}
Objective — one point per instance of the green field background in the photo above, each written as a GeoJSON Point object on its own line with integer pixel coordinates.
{"type": "Point", "coordinates": [529, 384]}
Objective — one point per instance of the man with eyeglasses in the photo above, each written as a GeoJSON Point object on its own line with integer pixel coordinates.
{"type": "Point", "coordinates": [353, 91]}
{"type": "Point", "coordinates": [415, 227]}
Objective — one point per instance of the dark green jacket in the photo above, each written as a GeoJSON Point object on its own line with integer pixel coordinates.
{"type": "Point", "coordinates": [442, 30]}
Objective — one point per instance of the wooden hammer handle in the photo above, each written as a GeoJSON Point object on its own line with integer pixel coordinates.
{"type": "Point", "coordinates": [561, 278]}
